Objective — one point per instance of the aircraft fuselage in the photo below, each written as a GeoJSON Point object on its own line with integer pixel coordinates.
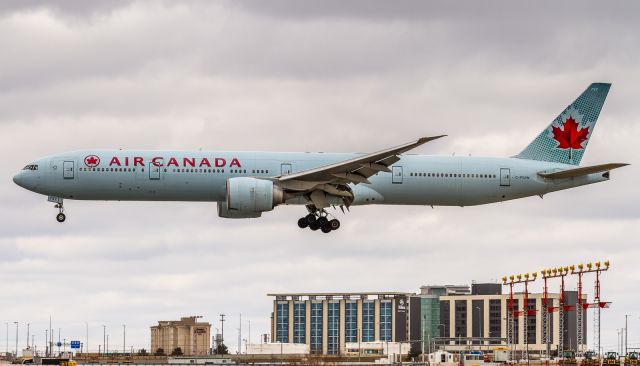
{"type": "Point", "coordinates": [202, 176]}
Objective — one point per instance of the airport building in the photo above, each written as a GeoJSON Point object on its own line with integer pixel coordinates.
{"type": "Point", "coordinates": [476, 318]}
{"type": "Point", "coordinates": [190, 335]}
{"type": "Point", "coordinates": [328, 321]}
{"type": "Point", "coordinates": [453, 318]}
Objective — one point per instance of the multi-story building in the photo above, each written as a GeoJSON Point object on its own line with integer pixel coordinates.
{"type": "Point", "coordinates": [328, 321]}
{"type": "Point", "coordinates": [455, 318]}
{"type": "Point", "coordinates": [477, 319]}
{"type": "Point", "coordinates": [191, 336]}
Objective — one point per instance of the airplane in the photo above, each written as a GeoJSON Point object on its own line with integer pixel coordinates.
{"type": "Point", "coordinates": [246, 184]}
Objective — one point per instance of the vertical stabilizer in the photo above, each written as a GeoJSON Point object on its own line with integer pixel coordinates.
{"type": "Point", "coordinates": [566, 138]}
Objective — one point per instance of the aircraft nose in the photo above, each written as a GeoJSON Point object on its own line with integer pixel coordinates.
{"type": "Point", "coordinates": [19, 179]}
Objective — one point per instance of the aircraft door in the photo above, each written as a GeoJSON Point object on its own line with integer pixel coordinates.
{"type": "Point", "coordinates": [505, 177]}
{"type": "Point", "coordinates": [68, 170]}
{"type": "Point", "coordinates": [154, 172]}
{"type": "Point", "coordinates": [285, 169]}
{"type": "Point", "coordinates": [396, 172]}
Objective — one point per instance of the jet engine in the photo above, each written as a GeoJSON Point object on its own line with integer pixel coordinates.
{"type": "Point", "coordinates": [249, 197]}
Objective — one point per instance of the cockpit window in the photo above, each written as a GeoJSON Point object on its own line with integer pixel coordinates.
{"type": "Point", "coordinates": [31, 167]}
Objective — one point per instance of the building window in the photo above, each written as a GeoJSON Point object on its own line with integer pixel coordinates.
{"type": "Point", "coordinates": [316, 327]}
{"type": "Point", "coordinates": [445, 311]}
{"type": "Point", "coordinates": [460, 319]}
{"type": "Point", "coordinates": [299, 322]}
{"type": "Point", "coordinates": [351, 322]}
{"type": "Point", "coordinates": [282, 325]}
{"type": "Point", "coordinates": [385, 320]}
{"type": "Point", "coordinates": [333, 328]}
{"type": "Point", "coordinates": [368, 321]}
{"type": "Point", "coordinates": [531, 322]}
{"type": "Point", "coordinates": [495, 317]}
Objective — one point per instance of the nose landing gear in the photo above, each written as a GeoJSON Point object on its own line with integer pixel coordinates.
{"type": "Point", "coordinates": [318, 220]}
{"type": "Point", "coordinates": [60, 216]}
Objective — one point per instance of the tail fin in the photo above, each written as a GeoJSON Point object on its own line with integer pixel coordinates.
{"type": "Point", "coordinates": [566, 138]}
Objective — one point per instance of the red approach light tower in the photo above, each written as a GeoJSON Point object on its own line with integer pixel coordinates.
{"type": "Point", "coordinates": [548, 310]}
{"type": "Point", "coordinates": [512, 313]}
{"type": "Point", "coordinates": [597, 304]}
{"type": "Point", "coordinates": [561, 308]}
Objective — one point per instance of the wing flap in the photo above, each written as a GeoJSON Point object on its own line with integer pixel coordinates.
{"type": "Point", "coordinates": [571, 173]}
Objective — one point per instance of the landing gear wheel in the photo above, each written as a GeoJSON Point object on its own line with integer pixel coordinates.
{"type": "Point", "coordinates": [334, 224]}
{"type": "Point", "coordinates": [302, 223]}
{"type": "Point", "coordinates": [326, 229]}
{"type": "Point", "coordinates": [322, 221]}
{"type": "Point", "coordinates": [61, 217]}
{"type": "Point", "coordinates": [314, 225]}
{"type": "Point", "coordinates": [311, 218]}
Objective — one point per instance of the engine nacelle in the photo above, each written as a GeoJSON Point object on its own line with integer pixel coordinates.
{"type": "Point", "coordinates": [223, 211]}
{"type": "Point", "coordinates": [249, 197]}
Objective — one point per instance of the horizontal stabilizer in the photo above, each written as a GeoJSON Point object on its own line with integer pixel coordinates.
{"type": "Point", "coordinates": [571, 173]}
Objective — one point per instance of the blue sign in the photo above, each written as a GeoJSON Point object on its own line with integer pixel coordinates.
{"type": "Point", "coordinates": [75, 344]}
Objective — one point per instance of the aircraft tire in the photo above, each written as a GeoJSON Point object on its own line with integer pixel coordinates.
{"type": "Point", "coordinates": [334, 224]}
{"type": "Point", "coordinates": [326, 229]}
{"type": "Point", "coordinates": [61, 217]}
{"type": "Point", "coordinates": [302, 223]}
{"type": "Point", "coordinates": [323, 221]}
{"type": "Point", "coordinates": [314, 226]}
{"type": "Point", "coordinates": [311, 218]}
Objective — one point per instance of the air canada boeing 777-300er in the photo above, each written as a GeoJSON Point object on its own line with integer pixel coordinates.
{"type": "Point", "coordinates": [246, 184]}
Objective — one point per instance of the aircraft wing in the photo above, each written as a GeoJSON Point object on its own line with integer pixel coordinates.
{"type": "Point", "coordinates": [571, 173]}
{"type": "Point", "coordinates": [356, 170]}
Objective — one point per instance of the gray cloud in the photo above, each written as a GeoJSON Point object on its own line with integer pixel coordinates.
{"type": "Point", "coordinates": [294, 76]}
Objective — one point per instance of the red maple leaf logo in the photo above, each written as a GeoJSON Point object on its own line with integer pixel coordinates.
{"type": "Point", "coordinates": [569, 137]}
{"type": "Point", "coordinates": [92, 161]}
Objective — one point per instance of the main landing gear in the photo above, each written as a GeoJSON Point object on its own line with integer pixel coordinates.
{"type": "Point", "coordinates": [318, 220]}
{"type": "Point", "coordinates": [60, 216]}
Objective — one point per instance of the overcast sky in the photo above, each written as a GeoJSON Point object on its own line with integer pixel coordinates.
{"type": "Point", "coordinates": [301, 76]}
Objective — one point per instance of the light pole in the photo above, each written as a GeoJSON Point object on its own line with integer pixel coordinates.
{"type": "Point", "coordinates": [479, 323]}
{"type": "Point", "coordinates": [625, 333]}
{"type": "Point", "coordinates": [424, 319]}
{"type": "Point", "coordinates": [441, 335]}
{"type": "Point", "coordinates": [7, 346]}
{"type": "Point", "coordinates": [46, 339]}
{"type": "Point", "coordinates": [28, 324]}
{"type": "Point", "coordinates": [104, 338]}
{"type": "Point", "coordinates": [16, 323]}
{"type": "Point", "coordinates": [222, 328]}
{"type": "Point", "coordinates": [86, 342]}
{"type": "Point", "coordinates": [619, 331]}
{"type": "Point", "coordinates": [124, 339]}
